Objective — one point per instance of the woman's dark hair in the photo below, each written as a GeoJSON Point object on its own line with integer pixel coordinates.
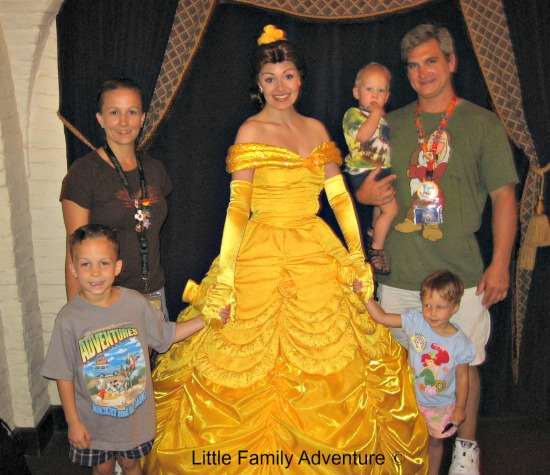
{"type": "Point", "coordinates": [93, 231]}
{"type": "Point", "coordinates": [119, 83]}
{"type": "Point", "coordinates": [276, 52]}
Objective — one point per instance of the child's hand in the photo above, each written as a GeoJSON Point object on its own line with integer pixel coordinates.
{"type": "Point", "coordinates": [79, 436]}
{"type": "Point", "coordinates": [357, 286]}
{"type": "Point", "coordinates": [225, 313]}
{"type": "Point", "coordinates": [375, 108]}
{"type": "Point", "coordinates": [372, 308]}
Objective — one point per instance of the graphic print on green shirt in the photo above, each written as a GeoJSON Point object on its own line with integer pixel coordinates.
{"type": "Point", "coordinates": [480, 162]}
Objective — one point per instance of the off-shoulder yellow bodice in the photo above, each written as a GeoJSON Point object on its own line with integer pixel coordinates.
{"type": "Point", "coordinates": [257, 155]}
{"type": "Point", "coordinates": [286, 185]}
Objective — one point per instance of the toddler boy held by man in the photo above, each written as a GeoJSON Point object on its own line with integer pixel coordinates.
{"type": "Point", "coordinates": [367, 136]}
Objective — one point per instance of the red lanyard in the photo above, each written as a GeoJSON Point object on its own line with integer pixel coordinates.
{"type": "Point", "coordinates": [431, 155]}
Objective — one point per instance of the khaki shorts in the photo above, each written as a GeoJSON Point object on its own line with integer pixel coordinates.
{"type": "Point", "coordinates": [472, 317]}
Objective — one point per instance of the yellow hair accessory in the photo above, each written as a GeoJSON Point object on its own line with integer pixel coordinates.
{"type": "Point", "coordinates": [271, 34]}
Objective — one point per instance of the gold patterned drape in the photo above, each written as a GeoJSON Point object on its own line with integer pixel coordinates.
{"type": "Point", "coordinates": [334, 9]}
{"type": "Point", "coordinates": [488, 29]}
{"type": "Point", "coordinates": [188, 27]}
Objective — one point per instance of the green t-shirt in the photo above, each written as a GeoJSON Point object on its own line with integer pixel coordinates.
{"type": "Point", "coordinates": [480, 162]}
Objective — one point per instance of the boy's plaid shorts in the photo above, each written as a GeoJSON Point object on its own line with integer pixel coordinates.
{"type": "Point", "coordinates": [92, 457]}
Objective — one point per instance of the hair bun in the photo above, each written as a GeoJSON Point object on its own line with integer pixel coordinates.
{"type": "Point", "coordinates": [271, 34]}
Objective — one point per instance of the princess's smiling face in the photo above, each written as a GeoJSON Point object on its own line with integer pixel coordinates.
{"type": "Point", "coordinates": [280, 83]}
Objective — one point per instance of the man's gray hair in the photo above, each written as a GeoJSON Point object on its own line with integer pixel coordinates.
{"type": "Point", "coordinates": [426, 32]}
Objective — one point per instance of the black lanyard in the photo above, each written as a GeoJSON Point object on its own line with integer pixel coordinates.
{"type": "Point", "coordinates": [139, 207]}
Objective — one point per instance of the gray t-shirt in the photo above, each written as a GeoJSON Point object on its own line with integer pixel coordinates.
{"type": "Point", "coordinates": [104, 351]}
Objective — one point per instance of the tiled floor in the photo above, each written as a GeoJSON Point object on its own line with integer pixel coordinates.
{"type": "Point", "coordinates": [510, 446]}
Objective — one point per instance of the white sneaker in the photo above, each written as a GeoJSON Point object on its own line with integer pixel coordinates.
{"type": "Point", "coordinates": [465, 458]}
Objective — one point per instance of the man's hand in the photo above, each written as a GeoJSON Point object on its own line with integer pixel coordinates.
{"type": "Point", "coordinates": [493, 284]}
{"type": "Point", "coordinates": [495, 281]}
{"type": "Point", "coordinates": [376, 193]}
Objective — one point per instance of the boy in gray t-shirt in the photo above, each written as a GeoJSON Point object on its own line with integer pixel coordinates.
{"type": "Point", "coordinates": [99, 357]}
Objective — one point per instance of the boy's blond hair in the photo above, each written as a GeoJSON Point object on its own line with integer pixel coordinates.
{"type": "Point", "coordinates": [448, 285]}
{"type": "Point", "coordinates": [369, 67]}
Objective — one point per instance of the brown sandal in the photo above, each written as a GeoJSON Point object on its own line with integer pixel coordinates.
{"type": "Point", "coordinates": [378, 260]}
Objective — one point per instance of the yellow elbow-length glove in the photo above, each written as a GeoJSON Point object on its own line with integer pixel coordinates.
{"type": "Point", "coordinates": [221, 294]}
{"type": "Point", "coordinates": [342, 206]}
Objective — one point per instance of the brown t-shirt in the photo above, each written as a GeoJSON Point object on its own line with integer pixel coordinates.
{"type": "Point", "coordinates": [93, 184]}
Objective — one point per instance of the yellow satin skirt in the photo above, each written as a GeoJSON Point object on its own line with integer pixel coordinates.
{"type": "Point", "coordinates": [302, 381]}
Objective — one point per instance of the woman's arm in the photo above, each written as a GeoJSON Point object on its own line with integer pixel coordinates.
{"type": "Point", "coordinates": [392, 320]}
{"type": "Point", "coordinates": [342, 206]}
{"type": "Point", "coordinates": [221, 295]}
{"type": "Point", "coordinates": [331, 169]}
{"type": "Point", "coordinates": [74, 216]}
{"type": "Point", "coordinates": [244, 175]}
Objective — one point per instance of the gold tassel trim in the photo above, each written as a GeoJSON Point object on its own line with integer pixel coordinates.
{"type": "Point", "coordinates": [538, 228]}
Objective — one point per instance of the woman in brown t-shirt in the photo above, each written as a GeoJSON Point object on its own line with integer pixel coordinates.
{"type": "Point", "coordinates": [111, 186]}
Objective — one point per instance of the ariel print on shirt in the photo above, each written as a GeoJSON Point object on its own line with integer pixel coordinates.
{"type": "Point", "coordinates": [434, 364]}
{"type": "Point", "coordinates": [114, 371]}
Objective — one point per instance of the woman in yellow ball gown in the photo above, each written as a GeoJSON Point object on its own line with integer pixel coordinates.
{"type": "Point", "coordinates": [301, 380]}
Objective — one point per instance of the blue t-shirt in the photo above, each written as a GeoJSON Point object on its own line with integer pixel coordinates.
{"type": "Point", "coordinates": [433, 359]}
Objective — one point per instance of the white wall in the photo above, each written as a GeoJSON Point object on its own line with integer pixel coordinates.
{"type": "Point", "coordinates": [32, 164]}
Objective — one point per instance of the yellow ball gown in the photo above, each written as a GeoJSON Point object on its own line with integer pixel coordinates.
{"type": "Point", "coordinates": [302, 380]}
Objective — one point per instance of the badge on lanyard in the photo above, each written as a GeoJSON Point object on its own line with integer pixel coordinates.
{"type": "Point", "coordinates": [428, 201]}
{"type": "Point", "coordinates": [428, 165]}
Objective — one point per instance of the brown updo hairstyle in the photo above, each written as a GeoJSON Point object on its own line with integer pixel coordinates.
{"type": "Point", "coordinates": [276, 52]}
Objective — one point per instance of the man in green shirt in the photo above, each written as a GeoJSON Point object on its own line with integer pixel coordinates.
{"type": "Point", "coordinates": [463, 149]}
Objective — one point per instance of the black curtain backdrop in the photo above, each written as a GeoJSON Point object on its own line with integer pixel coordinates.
{"type": "Point", "coordinates": [530, 35]}
{"type": "Point", "coordinates": [99, 40]}
{"type": "Point", "coordinates": [213, 101]}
